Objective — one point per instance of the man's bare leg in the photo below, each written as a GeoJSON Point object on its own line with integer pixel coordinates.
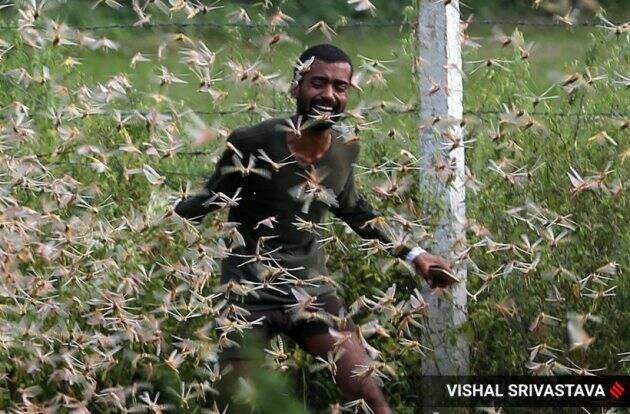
{"type": "Point", "coordinates": [352, 388]}
{"type": "Point", "coordinates": [243, 363]}
{"type": "Point", "coordinates": [229, 383]}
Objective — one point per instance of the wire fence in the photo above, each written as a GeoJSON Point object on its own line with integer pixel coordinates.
{"type": "Point", "coordinates": [603, 114]}
{"type": "Point", "coordinates": [477, 112]}
{"type": "Point", "coordinates": [611, 113]}
{"type": "Point", "coordinates": [350, 25]}
{"type": "Point", "coordinates": [360, 24]}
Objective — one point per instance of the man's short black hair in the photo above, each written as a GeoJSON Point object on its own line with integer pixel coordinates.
{"type": "Point", "coordinates": [327, 53]}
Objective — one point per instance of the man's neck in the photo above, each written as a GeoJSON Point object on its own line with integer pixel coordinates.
{"type": "Point", "coordinates": [311, 145]}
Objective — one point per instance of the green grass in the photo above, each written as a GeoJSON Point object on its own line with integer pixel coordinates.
{"type": "Point", "coordinates": [546, 55]}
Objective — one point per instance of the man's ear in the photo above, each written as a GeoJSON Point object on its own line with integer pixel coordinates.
{"type": "Point", "coordinates": [293, 90]}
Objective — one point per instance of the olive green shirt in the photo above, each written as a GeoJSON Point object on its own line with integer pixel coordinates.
{"type": "Point", "coordinates": [285, 196]}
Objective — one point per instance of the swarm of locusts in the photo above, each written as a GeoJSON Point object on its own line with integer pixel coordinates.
{"type": "Point", "coordinates": [104, 290]}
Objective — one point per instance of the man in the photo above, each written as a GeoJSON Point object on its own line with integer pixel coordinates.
{"type": "Point", "coordinates": [279, 178]}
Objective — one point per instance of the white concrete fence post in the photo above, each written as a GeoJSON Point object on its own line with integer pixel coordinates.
{"type": "Point", "coordinates": [441, 96]}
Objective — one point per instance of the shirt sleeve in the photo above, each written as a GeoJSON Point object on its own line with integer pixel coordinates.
{"type": "Point", "coordinates": [196, 207]}
{"type": "Point", "coordinates": [356, 212]}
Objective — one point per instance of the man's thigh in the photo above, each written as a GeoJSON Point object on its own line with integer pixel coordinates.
{"type": "Point", "coordinates": [303, 332]}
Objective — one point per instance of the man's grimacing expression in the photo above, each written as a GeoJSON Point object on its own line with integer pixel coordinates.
{"type": "Point", "coordinates": [323, 88]}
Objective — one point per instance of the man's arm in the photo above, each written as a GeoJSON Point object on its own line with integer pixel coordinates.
{"type": "Point", "coordinates": [196, 207]}
{"type": "Point", "coordinates": [357, 213]}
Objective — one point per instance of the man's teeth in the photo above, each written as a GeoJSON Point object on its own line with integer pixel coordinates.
{"type": "Point", "coordinates": [323, 108]}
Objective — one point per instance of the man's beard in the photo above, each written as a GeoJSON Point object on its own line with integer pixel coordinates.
{"type": "Point", "coordinates": [308, 111]}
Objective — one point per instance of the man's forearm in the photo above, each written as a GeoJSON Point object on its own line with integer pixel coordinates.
{"type": "Point", "coordinates": [192, 208]}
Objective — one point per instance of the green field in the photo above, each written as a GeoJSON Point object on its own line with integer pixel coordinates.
{"type": "Point", "coordinates": [554, 48]}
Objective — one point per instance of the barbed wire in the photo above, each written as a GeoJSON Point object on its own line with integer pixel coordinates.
{"type": "Point", "coordinates": [158, 170]}
{"type": "Point", "coordinates": [609, 114]}
{"type": "Point", "coordinates": [479, 113]}
{"type": "Point", "coordinates": [349, 25]}
{"type": "Point", "coordinates": [536, 23]}
{"type": "Point", "coordinates": [612, 114]}
{"type": "Point", "coordinates": [601, 114]}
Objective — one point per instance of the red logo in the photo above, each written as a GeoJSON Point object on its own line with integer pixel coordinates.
{"type": "Point", "coordinates": [616, 390]}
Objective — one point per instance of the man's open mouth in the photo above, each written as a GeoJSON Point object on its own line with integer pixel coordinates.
{"type": "Point", "coordinates": [323, 109]}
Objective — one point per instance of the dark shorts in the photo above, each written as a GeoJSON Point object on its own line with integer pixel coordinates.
{"type": "Point", "coordinates": [282, 320]}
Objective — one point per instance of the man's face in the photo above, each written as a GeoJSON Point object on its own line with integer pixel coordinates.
{"type": "Point", "coordinates": [323, 90]}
